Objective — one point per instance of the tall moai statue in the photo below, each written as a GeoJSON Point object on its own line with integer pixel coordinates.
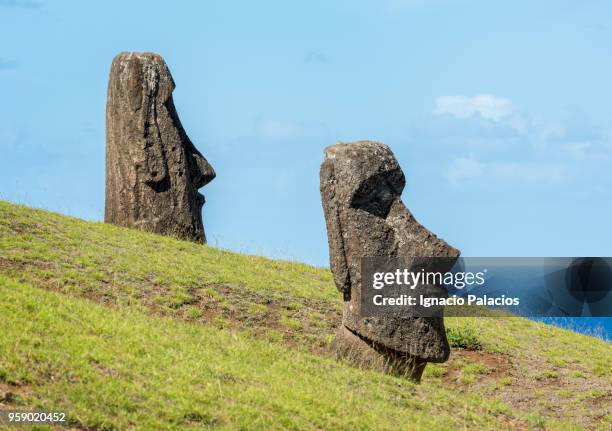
{"type": "Point", "coordinates": [153, 170]}
{"type": "Point", "coordinates": [361, 185]}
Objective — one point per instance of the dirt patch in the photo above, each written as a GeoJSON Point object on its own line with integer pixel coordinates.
{"type": "Point", "coordinates": [495, 365]}
{"type": "Point", "coordinates": [498, 365]}
{"type": "Point", "coordinates": [514, 424]}
{"type": "Point", "coordinates": [11, 396]}
{"type": "Point", "coordinates": [18, 265]}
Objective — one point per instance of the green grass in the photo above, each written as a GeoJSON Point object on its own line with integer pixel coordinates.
{"type": "Point", "coordinates": [121, 368]}
{"type": "Point", "coordinates": [463, 335]}
{"type": "Point", "coordinates": [130, 330]}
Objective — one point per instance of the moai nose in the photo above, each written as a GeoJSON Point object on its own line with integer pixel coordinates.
{"type": "Point", "coordinates": [203, 171]}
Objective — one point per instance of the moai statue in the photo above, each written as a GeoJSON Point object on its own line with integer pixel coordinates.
{"type": "Point", "coordinates": [361, 184]}
{"type": "Point", "coordinates": [153, 170]}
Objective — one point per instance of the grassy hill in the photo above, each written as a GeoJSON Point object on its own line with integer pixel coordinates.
{"type": "Point", "coordinates": [129, 330]}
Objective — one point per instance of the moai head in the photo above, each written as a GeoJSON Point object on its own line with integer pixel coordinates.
{"type": "Point", "coordinates": [153, 170]}
{"type": "Point", "coordinates": [361, 185]}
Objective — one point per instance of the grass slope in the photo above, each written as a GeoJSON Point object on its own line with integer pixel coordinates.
{"type": "Point", "coordinates": [130, 330]}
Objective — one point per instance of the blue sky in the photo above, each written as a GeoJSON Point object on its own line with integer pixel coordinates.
{"type": "Point", "coordinates": [500, 113]}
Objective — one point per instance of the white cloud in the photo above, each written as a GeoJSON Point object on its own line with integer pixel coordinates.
{"type": "Point", "coordinates": [487, 105]}
{"type": "Point", "coordinates": [498, 110]}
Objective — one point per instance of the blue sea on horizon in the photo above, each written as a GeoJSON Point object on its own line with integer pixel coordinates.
{"type": "Point", "coordinates": [542, 285]}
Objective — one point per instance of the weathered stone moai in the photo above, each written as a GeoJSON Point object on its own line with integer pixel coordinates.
{"type": "Point", "coordinates": [153, 170]}
{"type": "Point", "coordinates": [361, 184]}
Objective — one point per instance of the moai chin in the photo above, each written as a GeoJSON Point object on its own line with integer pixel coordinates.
{"type": "Point", "coordinates": [153, 170]}
{"type": "Point", "coordinates": [361, 185]}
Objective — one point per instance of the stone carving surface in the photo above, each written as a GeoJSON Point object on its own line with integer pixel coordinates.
{"type": "Point", "coordinates": [153, 170]}
{"type": "Point", "coordinates": [361, 185]}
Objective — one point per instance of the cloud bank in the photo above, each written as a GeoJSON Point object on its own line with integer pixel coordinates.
{"type": "Point", "coordinates": [487, 105]}
{"type": "Point", "coordinates": [526, 150]}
